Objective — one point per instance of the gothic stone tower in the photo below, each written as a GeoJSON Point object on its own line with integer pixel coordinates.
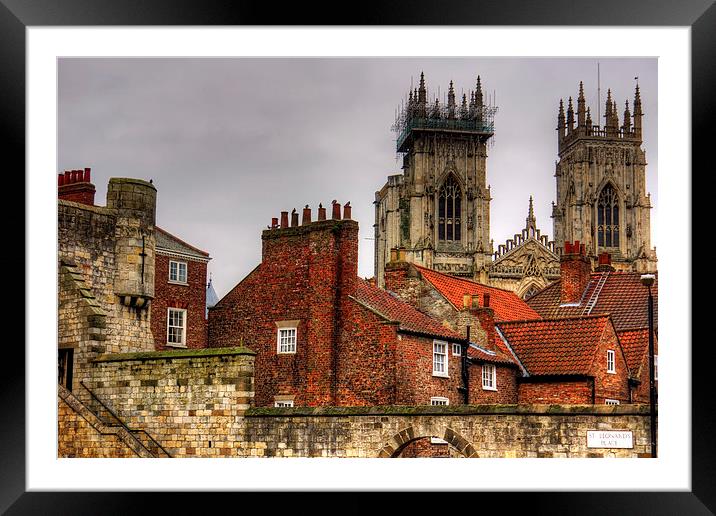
{"type": "Point", "coordinates": [601, 185]}
{"type": "Point", "coordinates": [437, 212]}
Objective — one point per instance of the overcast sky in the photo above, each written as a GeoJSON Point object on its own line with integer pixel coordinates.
{"type": "Point", "coordinates": [230, 143]}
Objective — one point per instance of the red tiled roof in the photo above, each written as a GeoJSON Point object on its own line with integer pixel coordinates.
{"type": "Point", "coordinates": [393, 308]}
{"type": "Point", "coordinates": [635, 344]}
{"type": "Point", "coordinates": [622, 296]}
{"type": "Point", "coordinates": [507, 305]}
{"type": "Point", "coordinates": [555, 346]}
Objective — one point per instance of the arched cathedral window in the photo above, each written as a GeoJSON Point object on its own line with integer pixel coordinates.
{"type": "Point", "coordinates": [450, 210]}
{"type": "Point", "coordinates": [608, 218]}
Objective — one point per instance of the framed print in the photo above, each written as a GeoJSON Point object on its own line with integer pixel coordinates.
{"type": "Point", "coordinates": [320, 88]}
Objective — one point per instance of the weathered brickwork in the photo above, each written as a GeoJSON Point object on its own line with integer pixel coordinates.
{"type": "Point", "coordinates": [506, 380]}
{"type": "Point", "coordinates": [189, 401]}
{"type": "Point", "coordinates": [190, 297]}
{"type": "Point", "coordinates": [576, 270]}
{"type": "Point", "coordinates": [575, 391]}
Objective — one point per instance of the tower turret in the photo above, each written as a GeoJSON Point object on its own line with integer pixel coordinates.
{"type": "Point", "coordinates": [627, 118]}
{"type": "Point", "coordinates": [570, 117]}
{"type": "Point", "coordinates": [560, 121]}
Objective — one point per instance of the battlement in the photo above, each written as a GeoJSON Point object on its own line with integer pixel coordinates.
{"type": "Point", "coordinates": [568, 133]}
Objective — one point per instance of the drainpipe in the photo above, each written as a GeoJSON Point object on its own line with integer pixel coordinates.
{"type": "Point", "coordinates": [466, 370]}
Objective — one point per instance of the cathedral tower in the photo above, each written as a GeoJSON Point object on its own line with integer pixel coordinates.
{"type": "Point", "coordinates": [437, 212]}
{"type": "Point", "coordinates": [601, 185]}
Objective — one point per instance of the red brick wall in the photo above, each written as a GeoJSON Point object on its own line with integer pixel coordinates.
{"type": "Point", "coordinates": [506, 392]}
{"type": "Point", "coordinates": [191, 297]}
{"type": "Point", "coordinates": [556, 392]}
{"type": "Point", "coordinates": [77, 192]}
{"type": "Point", "coordinates": [306, 274]}
{"type": "Point", "coordinates": [608, 385]}
{"type": "Point", "coordinates": [366, 360]}
{"type": "Point", "coordinates": [414, 369]}
{"type": "Point", "coordinates": [424, 448]}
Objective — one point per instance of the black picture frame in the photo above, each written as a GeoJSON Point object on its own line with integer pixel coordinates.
{"type": "Point", "coordinates": [16, 15]}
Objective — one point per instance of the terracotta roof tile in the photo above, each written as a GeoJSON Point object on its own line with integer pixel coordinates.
{"type": "Point", "coordinates": [507, 305]}
{"type": "Point", "coordinates": [635, 344]}
{"type": "Point", "coordinates": [393, 308]}
{"type": "Point", "coordinates": [622, 296]}
{"type": "Point", "coordinates": [555, 346]}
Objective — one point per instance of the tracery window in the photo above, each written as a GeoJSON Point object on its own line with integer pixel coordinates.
{"type": "Point", "coordinates": [608, 218]}
{"type": "Point", "coordinates": [450, 210]}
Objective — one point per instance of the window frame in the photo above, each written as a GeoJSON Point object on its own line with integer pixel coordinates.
{"type": "Point", "coordinates": [611, 360]}
{"type": "Point", "coordinates": [437, 401]}
{"type": "Point", "coordinates": [656, 367]}
{"type": "Point", "coordinates": [185, 315]}
{"type": "Point", "coordinates": [492, 375]}
{"type": "Point", "coordinates": [295, 340]}
{"type": "Point", "coordinates": [609, 401]}
{"type": "Point", "coordinates": [444, 354]}
{"type": "Point", "coordinates": [178, 281]}
{"type": "Point", "coordinates": [458, 347]}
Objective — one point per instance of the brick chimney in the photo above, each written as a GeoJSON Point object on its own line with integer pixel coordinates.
{"type": "Point", "coordinates": [575, 270]}
{"type": "Point", "coordinates": [75, 185]}
{"type": "Point", "coordinates": [605, 263]}
{"type": "Point", "coordinates": [486, 315]}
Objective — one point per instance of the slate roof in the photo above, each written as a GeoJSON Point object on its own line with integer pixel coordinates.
{"type": "Point", "coordinates": [392, 308]}
{"type": "Point", "coordinates": [556, 346]}
{"type": "Point", "coordinates": [622, 296]}
{"type": "Point", "coordinates": [507, 305]}
{"type": "Point", "coordinates": [502, 356]}
{"type": "Point", "coordinates": [172, 244]}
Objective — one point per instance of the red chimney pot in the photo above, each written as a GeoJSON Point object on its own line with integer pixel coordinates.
{"type": "Point", "coordinates": [336, 215]}
{"type": "Point", "coordinates": [284, 219]}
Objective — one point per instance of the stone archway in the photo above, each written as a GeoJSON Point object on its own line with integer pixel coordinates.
{"type": "Point", "coordinates": [399, 441]}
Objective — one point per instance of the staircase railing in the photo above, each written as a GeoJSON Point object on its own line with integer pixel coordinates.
{"type": "Point", "coordinates": [109, 417]}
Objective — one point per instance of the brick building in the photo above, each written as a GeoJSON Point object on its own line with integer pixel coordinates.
{"type": "Point", "coordinates": [605, 291]}
{"type": "Point", "coordinates": [324, 336]}
{"type": "Point", "coordinates": [573, 360]}
{"type": "Point", "coordinates": [178, 311]}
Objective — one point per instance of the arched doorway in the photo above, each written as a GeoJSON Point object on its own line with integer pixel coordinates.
{"type": "Point", "coordinates": [419, 442]}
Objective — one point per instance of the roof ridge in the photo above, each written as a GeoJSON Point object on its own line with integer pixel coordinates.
{"type": "Point", "coordinates": [573, 317]}
{"type": "Point", "coordinates": [459, 278]}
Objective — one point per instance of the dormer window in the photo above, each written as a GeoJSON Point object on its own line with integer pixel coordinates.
{"type": "Point", "coordinates": [177, 272]}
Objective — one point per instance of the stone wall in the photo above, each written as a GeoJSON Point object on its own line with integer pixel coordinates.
{"type": "Point", "coordinates": [472, 430]}
{"type": "Point", "coordinates": [189, 401]}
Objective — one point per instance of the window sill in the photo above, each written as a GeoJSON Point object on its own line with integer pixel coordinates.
{"type": "Point", "coordinates": [285, 352]}
{"type": "Point", "coordinates": [175, 345]}
{"type": "Point", "coordinates": [441, 375]}
{"type": "Point", "coordinates": [182, 283]}
{"type": "Point", "coordinates": [489, 388]}
{"type": "Point", "coordinates": [611, 372]}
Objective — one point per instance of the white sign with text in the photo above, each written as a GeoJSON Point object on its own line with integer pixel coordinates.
{"type": "Point", "coordinates": [609, 439]}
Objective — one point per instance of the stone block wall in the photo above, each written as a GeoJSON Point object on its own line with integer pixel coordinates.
{"type": "Point", "coordinates": [189, 401]}
{"type": "Point", "coordinates": [488, 431]}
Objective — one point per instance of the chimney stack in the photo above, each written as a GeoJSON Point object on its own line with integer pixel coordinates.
{"type": "Point", "coordinates": [575, 271]}
{"type": "Point", "coordinates": [306, 216]}
{"type": "Point", "coordinates": [75, 185]}
{"type": "Point", "coordinates": [321, 212]}
{"type": "Point", "coordinates": [347, 210]}
{"type": "Point", "coordinates": [605, 263]}
{"type": "Point", "coordinates": [294, 218]}
{"type": "Point", "coordinates": [274, 222]}
{"type": "Point", "coordinates": [336, 215]}
{"type": "Point", "coordinates": [466, 301]}
{"type": "Point", "coordinates": [394, 254]}
{"type": "Point", "coordinates": [486, 316]}
{"type": "Point", "coordinates": [284, 219]}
